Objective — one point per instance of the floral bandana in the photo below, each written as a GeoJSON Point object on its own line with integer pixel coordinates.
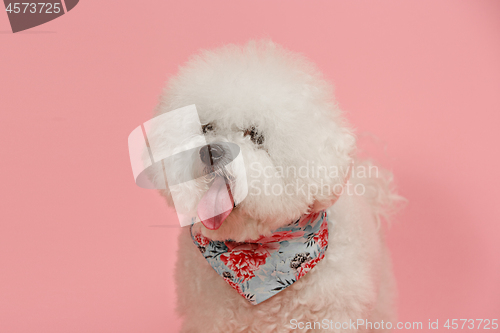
{"type": "Point", "coordinates": [259, 269]}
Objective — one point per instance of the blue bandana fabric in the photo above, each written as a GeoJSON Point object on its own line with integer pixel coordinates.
{"type": "Point", "coordinates": [259, 269]}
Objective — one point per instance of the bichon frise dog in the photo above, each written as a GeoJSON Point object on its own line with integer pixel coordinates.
{"type": "Point", "coordinates": [303, 251]}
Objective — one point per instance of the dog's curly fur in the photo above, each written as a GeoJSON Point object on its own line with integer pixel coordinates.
{"type": "Point", "coordinates": [282, 97]}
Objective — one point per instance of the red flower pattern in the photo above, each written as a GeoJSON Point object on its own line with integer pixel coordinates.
{"type": "Point", "coordinates": [308, 265]}
{"type": "Point", "coordinates": [245, 259]}
{"type": "Point", "coordinates": [322, 236]}
{"type": "Point", "coordinates": [308, 218]}
{"type": "Point", "coordinates": [202, 240]}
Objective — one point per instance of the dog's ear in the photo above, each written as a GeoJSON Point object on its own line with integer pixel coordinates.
{"type": "Point", "coordinates": [323, 203]}
{"type": "Point", "coordinates": [340, 148]}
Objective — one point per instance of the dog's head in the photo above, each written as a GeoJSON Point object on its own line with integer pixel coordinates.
{"type": "Point", "coordinates": [276, 107]}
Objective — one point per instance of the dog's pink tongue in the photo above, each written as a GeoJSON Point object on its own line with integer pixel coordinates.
{"type": "Point", "coordinates": [216, 205]}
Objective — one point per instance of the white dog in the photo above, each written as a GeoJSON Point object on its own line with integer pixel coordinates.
{"type": "Point", "coordinates": [303, 251]}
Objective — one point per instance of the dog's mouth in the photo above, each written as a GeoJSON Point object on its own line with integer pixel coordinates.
{"type": "Point", "coordinates": [217, 203]}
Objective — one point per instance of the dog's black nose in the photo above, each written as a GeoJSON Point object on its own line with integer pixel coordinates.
{"type": "Point", "coordinates": [212, 154]}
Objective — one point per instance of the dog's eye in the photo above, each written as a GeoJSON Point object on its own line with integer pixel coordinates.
{"type": "Point", "coordinates": [207, 128]}
{"type": "Point", "coordinates": [255, 136]}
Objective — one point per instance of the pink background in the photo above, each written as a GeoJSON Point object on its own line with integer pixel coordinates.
{"type": "Point", "coordinates": [77, 250]}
